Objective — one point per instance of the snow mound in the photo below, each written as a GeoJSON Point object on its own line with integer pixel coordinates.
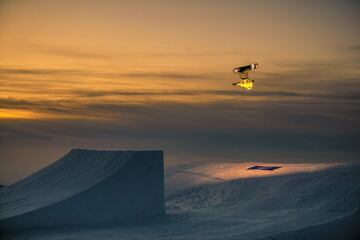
{"type": "Point", "coordinates": [192, 175]}
{"type": "Point", "coordinates": [86, 186]}
{"type": "Point", "coordinates": [230, 202]}
{"type": "Point", "coordinates": [227, 201]}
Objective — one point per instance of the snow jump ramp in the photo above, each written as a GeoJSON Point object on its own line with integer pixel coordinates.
{"type": "Point", "coordinates": [86, 187]}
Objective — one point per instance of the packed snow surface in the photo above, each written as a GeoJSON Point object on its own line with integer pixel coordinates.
{"type": "Point", "coordinates": [73, 173]}
{"type": "Point", "coordinates": [84, 187]}
{"type": "Point", "coordinates": [227, 201]}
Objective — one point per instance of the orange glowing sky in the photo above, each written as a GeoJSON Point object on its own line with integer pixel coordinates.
{"type": "Point", "coordinates": [74, 72]}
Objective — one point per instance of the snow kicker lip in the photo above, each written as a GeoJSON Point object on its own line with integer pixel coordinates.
{"type": "Point", "coordinates": [265, 168]}
{"type": "Point", "coordinates": [86, 187]}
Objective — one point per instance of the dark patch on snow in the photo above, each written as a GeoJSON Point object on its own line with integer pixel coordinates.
{"type": "Point", "coordinates": [267, 168]}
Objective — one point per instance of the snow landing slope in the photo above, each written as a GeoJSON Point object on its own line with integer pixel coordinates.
{"type": "Point", "coordinates": [86, 186]}
{"type": "Point", "coordinates": [226, 201]}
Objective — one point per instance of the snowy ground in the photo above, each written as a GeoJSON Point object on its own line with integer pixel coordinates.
{"type": "Point", "coordinates": [226, 201]}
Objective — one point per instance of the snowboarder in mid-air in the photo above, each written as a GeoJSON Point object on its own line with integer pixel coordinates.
{"type": "Point", "coordinates": [245, 83]}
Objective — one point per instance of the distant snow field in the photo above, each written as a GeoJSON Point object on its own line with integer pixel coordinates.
{"type": "Point", "coordinates": [227, 201]}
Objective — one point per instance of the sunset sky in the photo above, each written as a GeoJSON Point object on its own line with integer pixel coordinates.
{"type": "Point", "coordinates": [157, 75]}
